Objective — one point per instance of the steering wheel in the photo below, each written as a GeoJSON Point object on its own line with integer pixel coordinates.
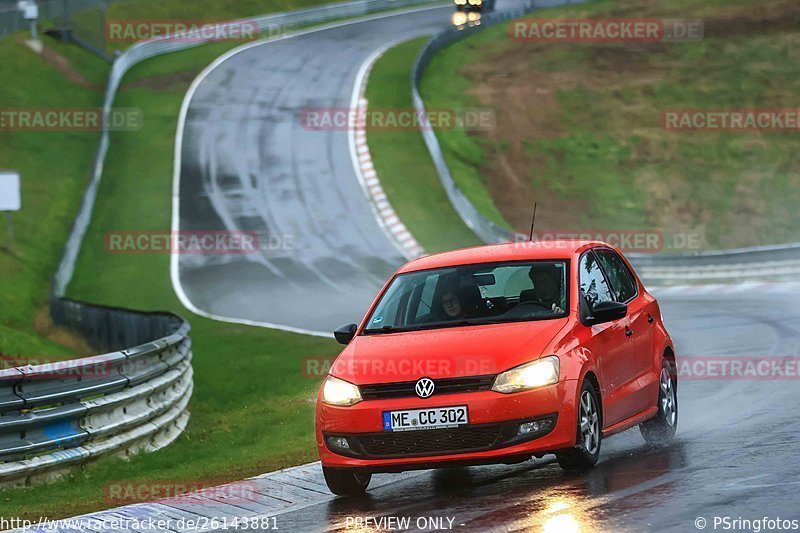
{"type": "Point", "coordinates": [538, 303]}
{"type": "Point", "coordinates": [534, 308]}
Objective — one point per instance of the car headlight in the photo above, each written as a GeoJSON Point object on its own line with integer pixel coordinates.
{"type": "Point", "coordinates": [528, 376]}
{"type": "Point", "coordinates": [339, 392]}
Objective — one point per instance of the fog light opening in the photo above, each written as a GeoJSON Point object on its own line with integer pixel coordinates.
{"type": "Point", "coordinates": [537, 426]}
{"type": "Point", "coordinates": [339, 442]}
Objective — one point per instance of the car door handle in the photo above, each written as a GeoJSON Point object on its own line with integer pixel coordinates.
{"type": "Point", "coordinates": [650, 319]}
{"type": "Point", "coordinates": [628, 332]}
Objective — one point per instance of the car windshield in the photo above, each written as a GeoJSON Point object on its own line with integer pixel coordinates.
{"type": "Point", "coordinates": [472, 295]}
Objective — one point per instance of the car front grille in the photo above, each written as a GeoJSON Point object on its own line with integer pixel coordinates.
{"type": "Point", "coordinates": [441, 386]}
{"type": "Point", "coordinates": [430, 442]}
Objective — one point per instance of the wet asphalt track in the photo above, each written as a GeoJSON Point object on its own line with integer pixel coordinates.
{"type": "Point", "coordinates": [249, 165]}
{"type": "Point", "coordinates": [736, 452]}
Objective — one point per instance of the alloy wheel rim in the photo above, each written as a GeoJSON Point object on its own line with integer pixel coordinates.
{"type": "Point", "coordinates": [589, 426]}
{"type": "Point", "coordinates": [668, 405]}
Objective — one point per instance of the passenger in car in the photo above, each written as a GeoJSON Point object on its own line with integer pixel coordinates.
{"type": "Point", "coordinates": [459, 297]}
{"type": "Point", "coordinates": [451, 305]}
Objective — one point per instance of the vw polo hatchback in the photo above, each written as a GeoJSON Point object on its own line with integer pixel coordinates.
{"type": "Point", "coordinates": [496, 354]}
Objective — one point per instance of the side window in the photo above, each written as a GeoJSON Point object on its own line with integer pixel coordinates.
{"type": "Point", "coordinates": [622, 282]}
{"type": "Point", "coordinates": [593, 284]}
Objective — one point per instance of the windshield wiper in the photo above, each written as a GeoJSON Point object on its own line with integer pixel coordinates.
{"type": "Point", "coordinates": [438, 325]}
{"type": "Point", "coordinates": [385, 329]}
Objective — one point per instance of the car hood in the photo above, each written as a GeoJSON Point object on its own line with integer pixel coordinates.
{"type": "Point", "coordinates": [448, 352]}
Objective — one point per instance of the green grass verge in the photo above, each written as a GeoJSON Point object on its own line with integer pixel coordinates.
{"type": "Point", "coordinates": [54, 167]}
{"type": "Point", "coordinates": [604, 161]}
{"type": "Point", "coordinates": [252, 408]}
{"type": "Point", "coordinates": [402, 160]}
{"type": "Point", "coordinates": [442, 87]}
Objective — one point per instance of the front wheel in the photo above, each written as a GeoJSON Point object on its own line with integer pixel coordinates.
{"type": "Point", "coordinates": [587, 446]}
{"type": "Point", "coordinates": [660, 430]}
{"type": "Point", "coordinates": [345, 482]}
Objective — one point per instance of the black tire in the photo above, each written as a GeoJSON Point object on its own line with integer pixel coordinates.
{"type": "Point", "coordinates": [659, 431]}
{"type": "Point", "coordinates": [345, 482]}
{"type": "Point", "coordinates": [589, 435]}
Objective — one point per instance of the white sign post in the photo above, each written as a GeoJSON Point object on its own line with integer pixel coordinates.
{"type": "Point", "coordinates": [30, 12]}
{"type": "Point", "coordinates": [10, 197]}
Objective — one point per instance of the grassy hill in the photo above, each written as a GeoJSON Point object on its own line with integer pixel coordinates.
{"type": "Point", "coordinates": [579, 124]}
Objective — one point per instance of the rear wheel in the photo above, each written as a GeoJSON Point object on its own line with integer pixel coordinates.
{"type": "Point", "coordinates": [587, 446]}
{"type": "Point", "coordinates": [345, 482]}
{"type": "Point", "coordinates": [660, 430]}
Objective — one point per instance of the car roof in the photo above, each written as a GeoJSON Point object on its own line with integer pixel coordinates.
{"type": "Point", "coordinates": [497, 253]}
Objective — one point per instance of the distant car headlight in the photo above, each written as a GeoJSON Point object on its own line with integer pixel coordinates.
{"type": "Point", "coordinates": [528, 376]}
{"type": "Point", "coordinates": [339, 392]}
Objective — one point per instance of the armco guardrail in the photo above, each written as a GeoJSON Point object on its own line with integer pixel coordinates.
{"type": "Point", "coordinates": [746, 264]}
{"type": "Point", "coordinates": [763, 263]}
{"type": "Point", "coordinates": [59, 414]}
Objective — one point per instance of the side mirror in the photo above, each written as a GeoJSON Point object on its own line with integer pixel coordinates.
{"type": "Point", "coordinates": [607, 312]}
{"type": "Point", "coordinates": [345, 333]}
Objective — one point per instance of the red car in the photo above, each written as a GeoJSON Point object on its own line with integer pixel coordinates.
{"type": "Point", "coordinates": [496, 354]}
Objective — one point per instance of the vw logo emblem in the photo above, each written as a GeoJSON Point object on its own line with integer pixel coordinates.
{"type": "Point", "coordinates": [424, 387]}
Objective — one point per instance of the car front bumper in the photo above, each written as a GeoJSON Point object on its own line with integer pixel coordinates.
{"type": "Point", "coordinates": [490, 437]}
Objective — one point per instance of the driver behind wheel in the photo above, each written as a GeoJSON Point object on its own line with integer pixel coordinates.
{"type": "Point", "coordinates": [546, 288]}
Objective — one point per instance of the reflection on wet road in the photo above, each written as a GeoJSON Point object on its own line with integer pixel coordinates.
{"type": "Point", "coordinates": [735, 453]}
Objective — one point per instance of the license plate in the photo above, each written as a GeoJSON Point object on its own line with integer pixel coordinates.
{"type": "Point", "coordinates": [432, 418]}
